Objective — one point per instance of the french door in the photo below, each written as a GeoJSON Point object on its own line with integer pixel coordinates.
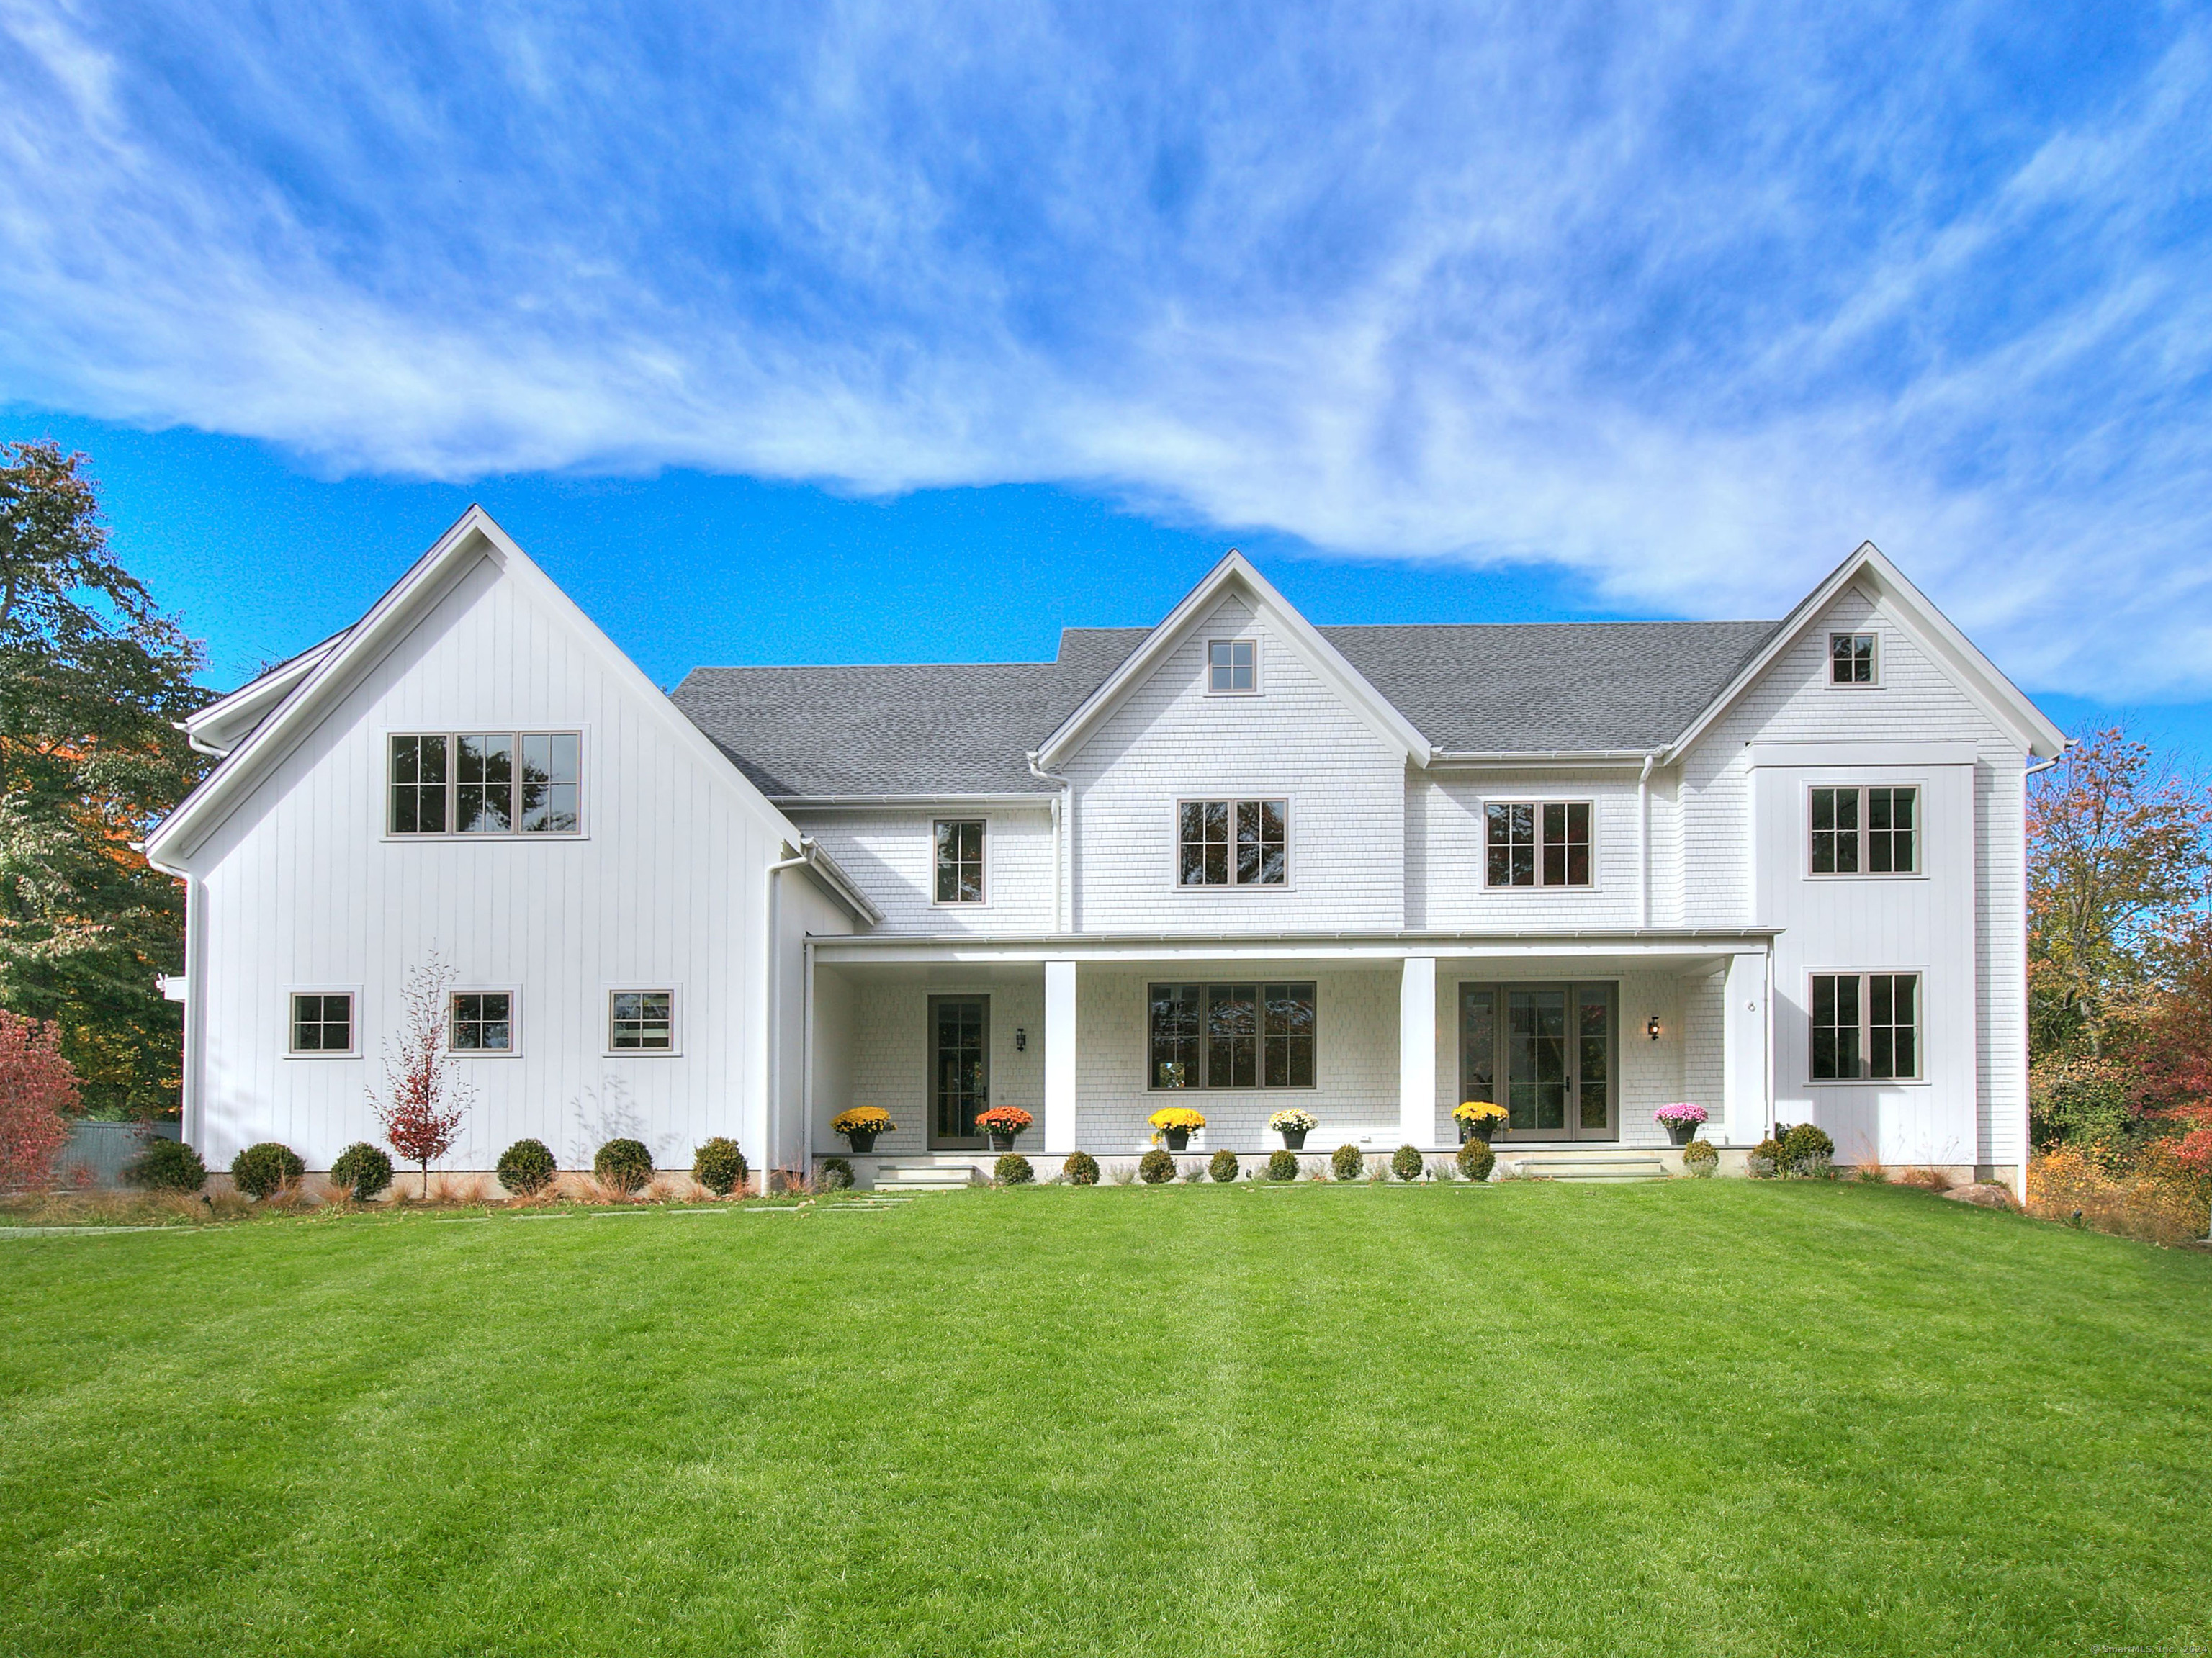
{"type": "Point", "coordinates": [1547, 1052]}
{"type": "Point", "coordinates": [959, 1069]}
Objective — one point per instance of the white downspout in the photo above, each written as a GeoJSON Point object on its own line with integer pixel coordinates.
{"type": "Point", "coordinates": [1063, 845]}
{"type": "Point", "coordinates": [771, 954]}
{"type": "Point", "coordinates": [1644, 842]}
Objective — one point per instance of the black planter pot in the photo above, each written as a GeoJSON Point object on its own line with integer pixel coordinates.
{"type": "Point", "coordinates": [1294, 1139]}
{"type": "Point", "coordinates": [1178, 1139]}
{"type": "Point", "coordinates": [1682, 1133]}
{"type": "Point", "coordinates": [1002, 1142]}
{"type": "Point", "coordinates": [861, 1139]}
{"type": "Point", "coordinates": [1481, 1129]}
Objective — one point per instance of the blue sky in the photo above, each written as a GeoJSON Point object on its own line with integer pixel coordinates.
{"type": "Point", "coordinates": [840, 331]}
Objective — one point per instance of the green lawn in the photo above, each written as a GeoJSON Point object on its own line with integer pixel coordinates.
{"type": "Point", "coordinates": [1702, 1417]}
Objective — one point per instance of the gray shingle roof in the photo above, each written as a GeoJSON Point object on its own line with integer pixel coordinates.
{"type": "Point", "coordinates": [964, 727]}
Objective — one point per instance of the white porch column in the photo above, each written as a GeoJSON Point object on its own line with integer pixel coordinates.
{"type": "Point", "coordinates": [1059, 1057]}
{"type": "Point", "coordinates": [1744, 1085]}
{"type": "Point", "coordinates": [1416, 1052]}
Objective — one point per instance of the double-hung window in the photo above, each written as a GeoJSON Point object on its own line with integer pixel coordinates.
{"type": "Point", "coordinates": [1866, 830]}
{"type": "Point", "coordinates": [1239, 843]}
{"type": "Point", "coordinates": [1232, 1035]}
{"type": "Point", "coordinates": [1854, 659]}
{"type": "Point", "coordinates": [1866, 1025]}
{"type": "Point", "coordinates": [959, 844]}
{"type": "Point", "coordinates": [1537, 843]}
{"type": "Point", "coordinates": [484, 783]}
{"type": "Point", "coordinates": [481, 1021]}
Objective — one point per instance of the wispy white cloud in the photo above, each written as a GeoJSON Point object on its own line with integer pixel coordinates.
{"type": "Point", "coordinates": [1689, 304]}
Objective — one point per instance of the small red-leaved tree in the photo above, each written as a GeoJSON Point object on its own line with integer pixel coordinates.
{"type": "Point", "coordinates": [37, 1087]}
{"type": "Point", "coordinates": [422, 1106]}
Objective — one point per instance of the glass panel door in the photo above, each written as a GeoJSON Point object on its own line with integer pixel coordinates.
{"type": "Point", "coordinates": [1594, 1062]}
{"type": "Point", "coordinates": [1545, 1053]}
{"type": "Point", "coordinates": [1536, 1060]}
{"type": "Point", "coordinates": [959, 1069]}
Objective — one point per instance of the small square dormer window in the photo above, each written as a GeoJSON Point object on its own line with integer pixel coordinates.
{"type": "Point", "coordinates": [1854, 659]}
{"type": "Point", "coordinates": [1232, 665]}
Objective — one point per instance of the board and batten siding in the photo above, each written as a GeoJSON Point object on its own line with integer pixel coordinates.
{"type": "Point", "coordinates": [302, 890]}
{"type": "Point", "coordinates": [890, 856]}
{"type": "Point", "coordinates": [1297, 739]}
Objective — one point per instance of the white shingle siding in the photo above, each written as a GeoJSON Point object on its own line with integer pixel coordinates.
{"type": "Point", "coordinates": [1450, 895]}
{"type": "Point", "coordinates": [1297, 739]}
{"type": "Point", "coordinates": [892, 858]}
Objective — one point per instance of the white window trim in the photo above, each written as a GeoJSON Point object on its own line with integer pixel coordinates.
{"type": "Point", "coordinates": [607, 992]}
{"type": "Point", "coordinates": [990, 843]}
{"type": "Point", "coordinates": [1918, 873]}
{"type": "Point", "coordinates": [1482, 806]}
{"type": "Point", "coordinates": [1828, 659]}
{"type": "Point", "coordinates": [292, 1053]}
{"type": "Point", "coordinates": [1290, 881]}
{"type": "Point", "coordinates": [1253, 640]}
{"type": "Point", "coordinates": [513, 1050]}
{"type": "Point", "coordinates": [1920, 1079]}
{"type": "Point", "coordinates": [506, 837]}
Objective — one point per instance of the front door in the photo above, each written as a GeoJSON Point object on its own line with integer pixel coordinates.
{"type": "Point", "coordinates": [1546, 1053]}
{"type": "Point", "coordinates": [959, 1069]}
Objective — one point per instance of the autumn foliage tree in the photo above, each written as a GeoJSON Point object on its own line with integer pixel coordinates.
{"type": "Point", "coordinates": [422, 1106]}
{"type": "Point", "coordinates": [38, 1092]}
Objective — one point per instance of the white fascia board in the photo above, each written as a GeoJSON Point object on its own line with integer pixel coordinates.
{"type": "Point", "coordinates": [1236, 571]}
{"type": "Point", "coordinates": [1979, 677]}
{"type": "Point", "coordinates": [1676, 945]}
{"type": "Point", "coordinates": [1550, 759]}
{"type": "Point", "coordinates": [1035, 801]}
{"type": "Point", "coordinates": [390, 619]}
{"type": "Point", "coordinates": [826, 870]}
{"type": "Point", "coordinates": [222, 725]}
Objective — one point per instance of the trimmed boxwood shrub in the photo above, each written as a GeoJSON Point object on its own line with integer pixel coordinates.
{"type": "Point", "coordinates": [1406, 1162]}
{"type": "Point", "coordinates": [1156, 1166]}
{"type": "Point", "coordinates": [1223, 1167]}
{"type": "Point", "coordinates": [1347, 1163]}
{"type": "Point", "coordinates": [1012, 1169]}
{"type": "Point", "coordinates": [361, 1171]}
{"type": "Point", "coordinates": [167, 1166]}
{"type": "Point", "coordinates": [1804, 1150]}
{"type": "Point", "coordinates": [526, 1168]}
{"type": "Point", "coordinates": [1476, 1159]}
{"type": "Point", "coordinates": [836, 1175]}
{"type": "Point", "coordinates": [1081, 1169]}
{"type": "Point", "coordinates": [266, 1168]}
{"type": "Point", "coordinates": [1765, 1161]}
{"type": "Point", "coordinates": [1282, 1164]}
{"type": "Point", "coordinates": [1700, 1158]}
{"type": "Point", "coordinates": [721, 1167]}
{"type": "Point", "coordinates": [626, 1165]}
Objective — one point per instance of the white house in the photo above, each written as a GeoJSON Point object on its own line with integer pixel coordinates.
{"type": "Point", "coordinates": [1233, 861]}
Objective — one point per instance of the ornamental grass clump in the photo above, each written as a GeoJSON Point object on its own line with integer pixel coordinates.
{"type": "Point", "coordinates": [1012, 1169]}
{"type": "Point", "coordinates": [1155, 1167]}
{"type": "Point", "coordinates": [1223, 1167]}
{"type": "Point", "coordinates": [622, 1166]}
{"type": "Point", "coordinates": [166, 1166]}
{"type": "Point", "coordinates": [1081, 1169]}
{"type": "Point", "coordinates": [1346, 1164]}
{"type": "Point", "coordinates": [1282, 1165]}
{"type": "Point", "coordinates": [1476, 1159]}
{"type": "Point", "coordinates": [361, 1172]}
{"type": "Point", "coordinates": [720, 1166]}
{"type": "Point", "coordinates": [1407, 1163]}
{"type": "Point", "coordinates": [526, 1168]}
{"type": "Point", "coordinates": [266, 1169]}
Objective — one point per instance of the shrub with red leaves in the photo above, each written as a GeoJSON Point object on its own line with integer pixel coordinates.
{"type": "Point", "coordinates": [37, 1090]}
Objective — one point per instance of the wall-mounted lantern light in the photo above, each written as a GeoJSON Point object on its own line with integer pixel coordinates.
{"type": "Point", "coordinates": [1651, 1027]}
{"type": "Point", "coordinates": [1022, 1039]}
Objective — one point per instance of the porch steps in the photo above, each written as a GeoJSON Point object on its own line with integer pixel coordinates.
{"type": "Point", "coordinates": [1612, 1170]}
{"type": "Point", "coordinates": [924, 1176]}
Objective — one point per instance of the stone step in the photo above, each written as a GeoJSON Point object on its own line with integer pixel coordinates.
{"type": "Point", "coordinates": [1610, 1169]}
{"type": "Point", "coordinates": [924, 1176]}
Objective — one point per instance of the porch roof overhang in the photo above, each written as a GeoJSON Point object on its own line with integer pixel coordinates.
{"type": "Point", "coordinates": [1678, 945]}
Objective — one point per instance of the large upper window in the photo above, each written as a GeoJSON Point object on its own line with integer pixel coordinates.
{"type": "Point", "coordinates": [1233, 843]}
{"type": "Point", "coordinates": [1255, 1035]}
{"type": "Point", "coordinates": [485, 783]}
{"type": "Point", "coordinates": [322, 1022]}
{"type": "Point", "coordinates": [1232, 664]}
{"type": "Point", "coordinates": [959, 860]}
{"type": "Point", "coordinates": [1865, 1025]}
{"type": "Point", "coordinates": [1537, 843]}
{"type": "Point", "coordinates": [1865, 831]}
{"type": "Point", "coordinates": [1853, 658]}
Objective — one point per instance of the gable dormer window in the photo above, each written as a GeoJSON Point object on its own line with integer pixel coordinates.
{"type": "Point", "coordinates": [1854, 659]}
{"type": "Point", "coordinates": [1232, 666]}
{"type": "Point", "coordinates": [1233, 843]}
{"type": "Point", "coordinates": [484, 783]}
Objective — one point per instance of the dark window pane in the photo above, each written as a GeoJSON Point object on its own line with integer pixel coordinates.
{"type": "Point", "coordinates": [418, 786]}
{"type": "Point", "coordinates": [483, 783]}
{"type": "Point", "coordinates": [959, 873]}
{"type": "Point", "coordinates": [642, 1019]}
{"type": "Point", "coordinates": [1232, 1036]}
{"type": "Point", "coordinates": [551, 766]}
{"type": "Point", "coordinates": [322, 1024]}
{"type": "Point", "coordinates": [1174, 1036]}
{"type": "Point", "coordinates": [1593, 1060]}
{"type": "Point", "coordinates": [1536, 1059]}
{"type": "Point", "coordinates": [1288, 1061]}
{"type": "Point", "coordinates": [1478, 1043]}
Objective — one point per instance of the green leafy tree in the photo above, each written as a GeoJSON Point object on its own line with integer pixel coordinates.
{"type": "Point", "coordinates": [93, 679]}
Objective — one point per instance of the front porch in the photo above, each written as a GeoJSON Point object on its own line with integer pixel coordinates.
{"type": "Point", "coordinates": [1377, 1039]}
